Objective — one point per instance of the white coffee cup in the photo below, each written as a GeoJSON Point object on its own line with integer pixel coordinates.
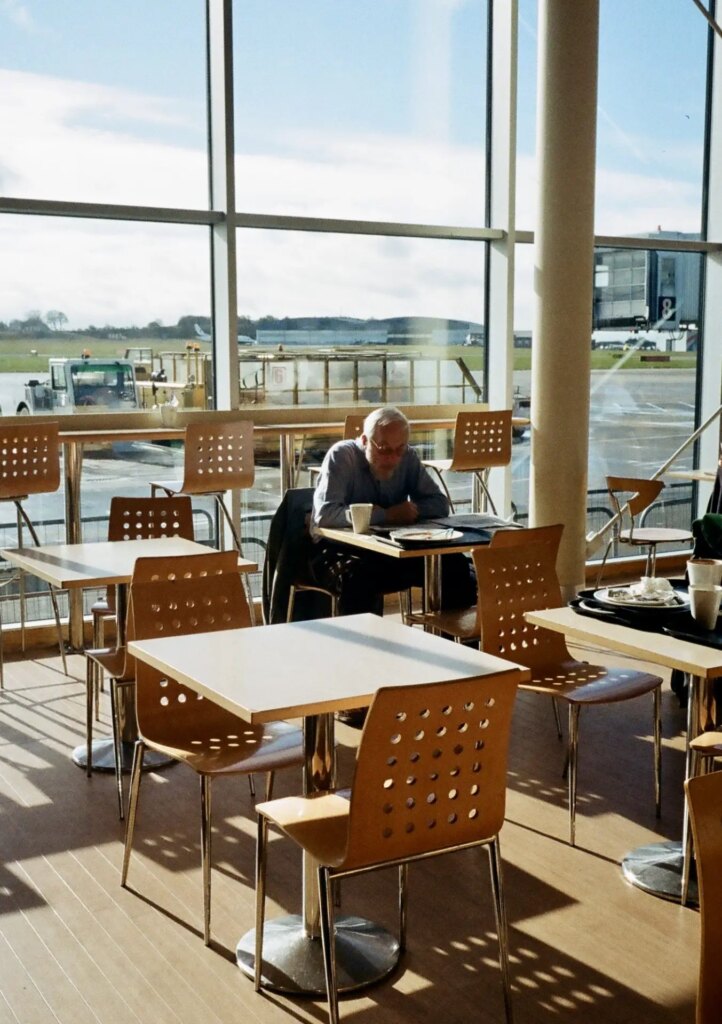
{"type": "Point", "coordinates": [704, 572]}
{"type": "Point", "coordinates": [361, 517]}
{"type": "Point", "coordinates": [705, 604]}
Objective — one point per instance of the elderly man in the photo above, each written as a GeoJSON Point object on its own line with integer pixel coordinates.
{"type": "Point", "coordinates": [380, 468]}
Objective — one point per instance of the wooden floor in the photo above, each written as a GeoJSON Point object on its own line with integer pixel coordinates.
{"type": "Point", "coordinates": [76, 948]}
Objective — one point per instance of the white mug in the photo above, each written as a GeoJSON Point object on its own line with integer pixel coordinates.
{"type": "Point", "coordinates": [705, 604]}
{"type": "Point", "coordinates": [704, 572]}
{"type": "Point", "coordinates": [361, 517]}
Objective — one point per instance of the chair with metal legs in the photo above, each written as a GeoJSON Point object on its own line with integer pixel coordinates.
{"type": "Point", "coordinates": [136, 519]}
{"type": "Point", "coordinates": [175, 721]}
{"type": "Point", "coordinates": [120, 667]}
{"type": "Point", "coordinates": [482, 440]}
{"type": "Point", "coordinates": [218, 458]}
{"type": "Point", "coordinates": [630, 496]}
{"type": "Point", "coordinates": [517, 576]}
{"type": "Point", "coordinates": [30, 464]}
{"type": "Point", "coordinates": [430, 778]}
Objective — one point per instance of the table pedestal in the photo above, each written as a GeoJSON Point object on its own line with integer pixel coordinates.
{"type": "Point", "coordinates": [104, 757]}
{"type": "Point", "coordinates": [658, 869]}
{"type": "Point", "coordinates": [293, 961]}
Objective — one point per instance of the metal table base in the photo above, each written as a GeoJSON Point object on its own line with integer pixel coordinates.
{"type": "Point", "coordinates": [293, 961]}
{"type": "Point", "coordinates": [104, 757]}
{"type": "Point", "coordinates": [658, 869]}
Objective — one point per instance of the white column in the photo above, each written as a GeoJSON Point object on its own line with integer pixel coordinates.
{"type": "Point", "coordinates": [501, 204]}
{"type": "Point", "coordinates": [563, 274]}
{"type": "Point", "coordinates": [711, 372]}
{"type": "Point", "coordinates": [222, 195]}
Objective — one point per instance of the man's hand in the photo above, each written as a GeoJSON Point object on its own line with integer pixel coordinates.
{"type": "Point", "coordinates": [402, 514]}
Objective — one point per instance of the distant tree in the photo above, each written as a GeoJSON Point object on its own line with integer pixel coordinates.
{"type": "Point", "coordinates": [56, 319]}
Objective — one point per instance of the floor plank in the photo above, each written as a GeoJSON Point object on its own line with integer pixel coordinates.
{"type": "Point", "coordinates": [75, 947]}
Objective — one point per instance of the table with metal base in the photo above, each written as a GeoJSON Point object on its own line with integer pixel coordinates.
{"type": "Point", "coordinates": [662, 869]}
{"type": "Point", "coordinates": [337, 664]}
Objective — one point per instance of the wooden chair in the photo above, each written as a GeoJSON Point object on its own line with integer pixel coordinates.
{"type": "Point", "coordinates": [182, 724]}
{"type": "Point", "coordinates": [218, 458]}
{"type": "Point", "coordinates": [630, 496]}
{"type": "Point", "coordinates": [517, 574]}
{"type": "Point", "coordinates": [482, 440]}
{"type": "Point", "coordinates": [29, 464]}
{"type": "Point", "coordinates": [137, 519]}
{"type": "Point", "coordinates": [430, 778]}
{"type": "Point", "coordinates": [704, 796]}
{"type": "Point", "coordinates": [119, 666]}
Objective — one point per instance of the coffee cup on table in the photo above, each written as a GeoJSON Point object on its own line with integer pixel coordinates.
{"type": "Point", "coordinates": [361, 517]}
{"type": "Point", "coordinates": [704, 572]}
{"type": "Point", "coordinates": [705, 604]}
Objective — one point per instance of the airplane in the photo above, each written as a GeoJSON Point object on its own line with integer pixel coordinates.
{"type": "Point", "coordinates": [243, 339]}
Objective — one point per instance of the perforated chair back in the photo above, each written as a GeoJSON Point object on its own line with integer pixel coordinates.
{"type": "Point", "coordinates": [482, 440]}
{"type": "Point", "coordinates": [431, 769]}
{"type": "Point", "coordinates": [150, 518]}
{"type": "Point", "coordinates": [704, 794]}
{"type": "Point", "coordinates": [218, 457]}
{"type": "Point", "coordinates": [180, 606]}
{"type": "Point", "coordinates": [29, 458]}
{"type": "Point", "coordinates": [167, 573]}
{"type": "Point", "coordinates": [353, 426]}
{"type": "Point", "coordinates": [515, 574]}
{"type": "Point", "coordinates": [630, 496]}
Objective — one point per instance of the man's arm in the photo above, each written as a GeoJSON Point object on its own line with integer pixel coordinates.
{"type": "Point", "coordinates": [335, 488]}
{"type": "Point", "coordinates": [424, 492]}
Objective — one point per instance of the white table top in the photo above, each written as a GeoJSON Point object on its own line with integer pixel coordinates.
{"type": "Point", "coordinates": [296, 669]}
{"type": "Point", "coordinates": [657, 648]}
{"type": "Point", "coordinates": [373, 542]}
{"type": "Point", "coordinates": [104, 563]}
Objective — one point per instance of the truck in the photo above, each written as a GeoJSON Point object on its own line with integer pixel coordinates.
{"type": "Point", "coordinates": [82, 384]}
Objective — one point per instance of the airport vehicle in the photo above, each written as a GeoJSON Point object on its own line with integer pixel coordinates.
{"type": "Point", "coordinates": [82, 383]}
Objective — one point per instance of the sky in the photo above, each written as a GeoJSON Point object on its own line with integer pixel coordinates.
{"type": "Point", "coordinates": [368, 109]}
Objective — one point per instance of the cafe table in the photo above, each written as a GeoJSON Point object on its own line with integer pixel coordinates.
{"type": "Point", "coordinates": [432, 554]}
{"type": "Point", "coordinates": [73, 567]}
{"type": "Point", "coordinates": [311, 670]}
{"type": "Point", "coordinates": [659, 868]}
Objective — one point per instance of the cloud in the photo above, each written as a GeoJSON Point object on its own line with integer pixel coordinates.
{"type": "Point", "coordinates": [17, 12]}
{"type": "Point", "coordinates": [74, 141]}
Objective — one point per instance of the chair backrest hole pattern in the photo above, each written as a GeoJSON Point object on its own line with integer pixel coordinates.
{"type": "Point", "coordinates": [430, 770]}
{"type": "Point", "coordinates": [29, 459]}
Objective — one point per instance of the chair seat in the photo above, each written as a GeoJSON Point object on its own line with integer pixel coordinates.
{"type": "Point", "coordinates": [708, 744]}
{"type": "Point", "coordinates": [462, 623]}
{"type": "Point", "coordinates": [656, 535]}
{"type": "Point", "coordinates": [440, 465]}
{"type": "Point", "coordinates": [581, 683]}
{"type": "Point", "coordinates": [319, 823]}
{"type": "Point", "coordinates": [111, 660]}
{"type": "Point", "coordinates": [216, 742]}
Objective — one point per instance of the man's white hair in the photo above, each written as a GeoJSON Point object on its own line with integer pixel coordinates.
{"type": "Point", "coordinates": [381, 418]}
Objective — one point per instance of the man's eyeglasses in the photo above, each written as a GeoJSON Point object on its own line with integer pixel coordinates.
{"type": "Point", "coordinates": [387, 450]}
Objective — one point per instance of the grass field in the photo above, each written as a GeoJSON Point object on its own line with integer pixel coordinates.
{"type": "Point", "coordinates": [30, 355]}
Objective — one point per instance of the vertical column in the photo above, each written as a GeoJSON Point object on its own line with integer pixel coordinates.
{"type": "Point", "coordinates": [501, 214]}
{"type": "Point", "coordinates": [563, 273]}
{"type": "Point", "coordinates": [710, 350]}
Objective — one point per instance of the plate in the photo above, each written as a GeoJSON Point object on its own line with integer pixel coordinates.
{"type": "Point", "coordinates": [414, 535]}
{"type": "Point", "coordinates": [622, 597]}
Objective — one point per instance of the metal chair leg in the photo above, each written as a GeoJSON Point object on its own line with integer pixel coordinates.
{"type": "Point", "coordinates": [24, 518]}
{"type": "Point", "coordinates": [657, 712]}
{"type": "Point", "coordinates": [206, 855]}
{"type": "Point", "coordinates": [328, 941]}
{"type": "Point", "coordinates": [497, 886]}
{"type": "Point", "coordinates": [135, 779]}
{"type": "Point", "coordinates": [117, 743]}
{"type": "Point", "coordinates": [604, 560]}
{"type": "Point", "coordinates": [89, 677]}
{"type": "Point", "coordinates": [557, 718]}
{"type": "Point", "coordinates": [403, 904]}
{"type": "Point", "coordinates": [445, 489]}
{"type": "Point", "coordinates": [262, 836]}
{"type": "Point", "coordinates": [574, 710]}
